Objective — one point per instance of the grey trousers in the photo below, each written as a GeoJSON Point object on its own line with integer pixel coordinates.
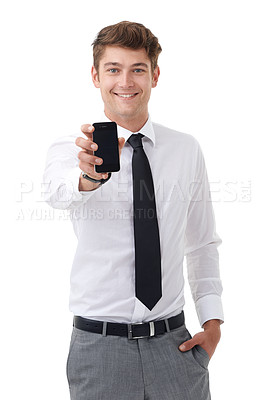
{"type": "Point", "coordinates": [116, 368]}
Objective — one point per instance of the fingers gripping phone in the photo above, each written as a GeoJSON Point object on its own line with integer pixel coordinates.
{"type": "Point", "coordinates": [105, 135]}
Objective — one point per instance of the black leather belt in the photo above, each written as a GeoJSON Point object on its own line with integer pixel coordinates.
{"type": "Point", "coordinates": [132, 331]}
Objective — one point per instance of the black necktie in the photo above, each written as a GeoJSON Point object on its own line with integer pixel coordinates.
{"type": "Point", "coordinates": [146, 234]}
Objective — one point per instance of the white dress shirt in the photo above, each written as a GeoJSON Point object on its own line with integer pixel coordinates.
{"type": "Point", "coordinates": [103, 271]}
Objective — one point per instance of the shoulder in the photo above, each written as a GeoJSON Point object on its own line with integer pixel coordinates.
{"type": "Point", "coordinates": [174, 137]}
{"type": "Point", "coordinates": [66, 139]}
{"type": "Point", "coordinates": [64, 146]}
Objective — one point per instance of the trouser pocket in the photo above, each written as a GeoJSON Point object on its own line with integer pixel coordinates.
{"type": "Point", "coordinates": [72, 342]}
{"type": "Point", "coordinates": [201, 356]}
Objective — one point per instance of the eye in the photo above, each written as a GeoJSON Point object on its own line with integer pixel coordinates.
{"type": "Point", "coordinates": [113, 70]}
{"type": "Point", "coordinates": [138, 70]}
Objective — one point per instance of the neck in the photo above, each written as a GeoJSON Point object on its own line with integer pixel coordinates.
{"type": "Point", "coordinates": [131, 124]}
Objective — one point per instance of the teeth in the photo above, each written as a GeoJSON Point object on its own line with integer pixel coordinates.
{"type": "Point", "coordinates": [126, 95]}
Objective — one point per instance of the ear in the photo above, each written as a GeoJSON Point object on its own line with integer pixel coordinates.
{"type": "Point", "coordinates": [95, 77]}
{"type": "Point", "coordinates": [155, 76]}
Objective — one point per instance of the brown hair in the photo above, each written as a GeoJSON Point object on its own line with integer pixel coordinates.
{"type": "Point", "coordinates": [126, 34]}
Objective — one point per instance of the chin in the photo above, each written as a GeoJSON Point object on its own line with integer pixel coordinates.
{"type": "Point", "coordinates": [125, 113]}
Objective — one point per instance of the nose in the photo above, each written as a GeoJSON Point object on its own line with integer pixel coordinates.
{"type": "Point", "coordinates": [125, 80]}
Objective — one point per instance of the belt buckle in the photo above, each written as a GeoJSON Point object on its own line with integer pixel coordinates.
{"type": "Point", "coordinates": [130, 333]}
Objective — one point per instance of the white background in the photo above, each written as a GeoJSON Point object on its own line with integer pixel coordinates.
{"type": "Point", "coordinates": [213, 85]}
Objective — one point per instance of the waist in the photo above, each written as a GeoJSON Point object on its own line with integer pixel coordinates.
{"type": "Point", "coordinates": [131, 331]}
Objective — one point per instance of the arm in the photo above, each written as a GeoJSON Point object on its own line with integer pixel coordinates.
{"type": "Point", "coordinates": [66, 159]}
{"type": "Point", "coordinates": [201, 242]}
{"type": "Point", "coordinates": [62, 174]}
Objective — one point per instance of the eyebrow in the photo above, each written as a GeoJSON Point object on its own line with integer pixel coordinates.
{"type": "Point", "coordinates": [116, 64]}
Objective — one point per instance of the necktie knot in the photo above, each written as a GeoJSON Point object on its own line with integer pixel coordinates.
{"type": "Point", "coordinates": [135, 140]}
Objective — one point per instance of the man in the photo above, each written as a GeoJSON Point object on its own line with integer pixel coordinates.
{"type": "Point", "coordinates": [129, 339]}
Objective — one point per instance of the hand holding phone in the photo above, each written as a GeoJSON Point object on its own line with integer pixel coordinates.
{"type": "Point", "coordinates": [87, 158]}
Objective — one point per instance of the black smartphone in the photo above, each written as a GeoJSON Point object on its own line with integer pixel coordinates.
{"type": "Point", "coordinates": [105, 135]}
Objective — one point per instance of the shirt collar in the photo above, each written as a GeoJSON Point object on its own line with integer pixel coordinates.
{"type": "Point", "coordinates": [147, 130]}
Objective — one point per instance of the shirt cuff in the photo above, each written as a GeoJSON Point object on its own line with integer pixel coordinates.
{"type": "Point", "coordinates": [73, 181]}
{"type": "Point", "coordinates": [209, 307]}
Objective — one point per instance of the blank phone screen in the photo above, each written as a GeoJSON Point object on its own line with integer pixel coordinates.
{"type": "Point", "coordinates": [105, 135]}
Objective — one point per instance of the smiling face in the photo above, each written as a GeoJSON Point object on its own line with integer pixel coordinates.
{"type": "Point", "coordinates": [125, 79]}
